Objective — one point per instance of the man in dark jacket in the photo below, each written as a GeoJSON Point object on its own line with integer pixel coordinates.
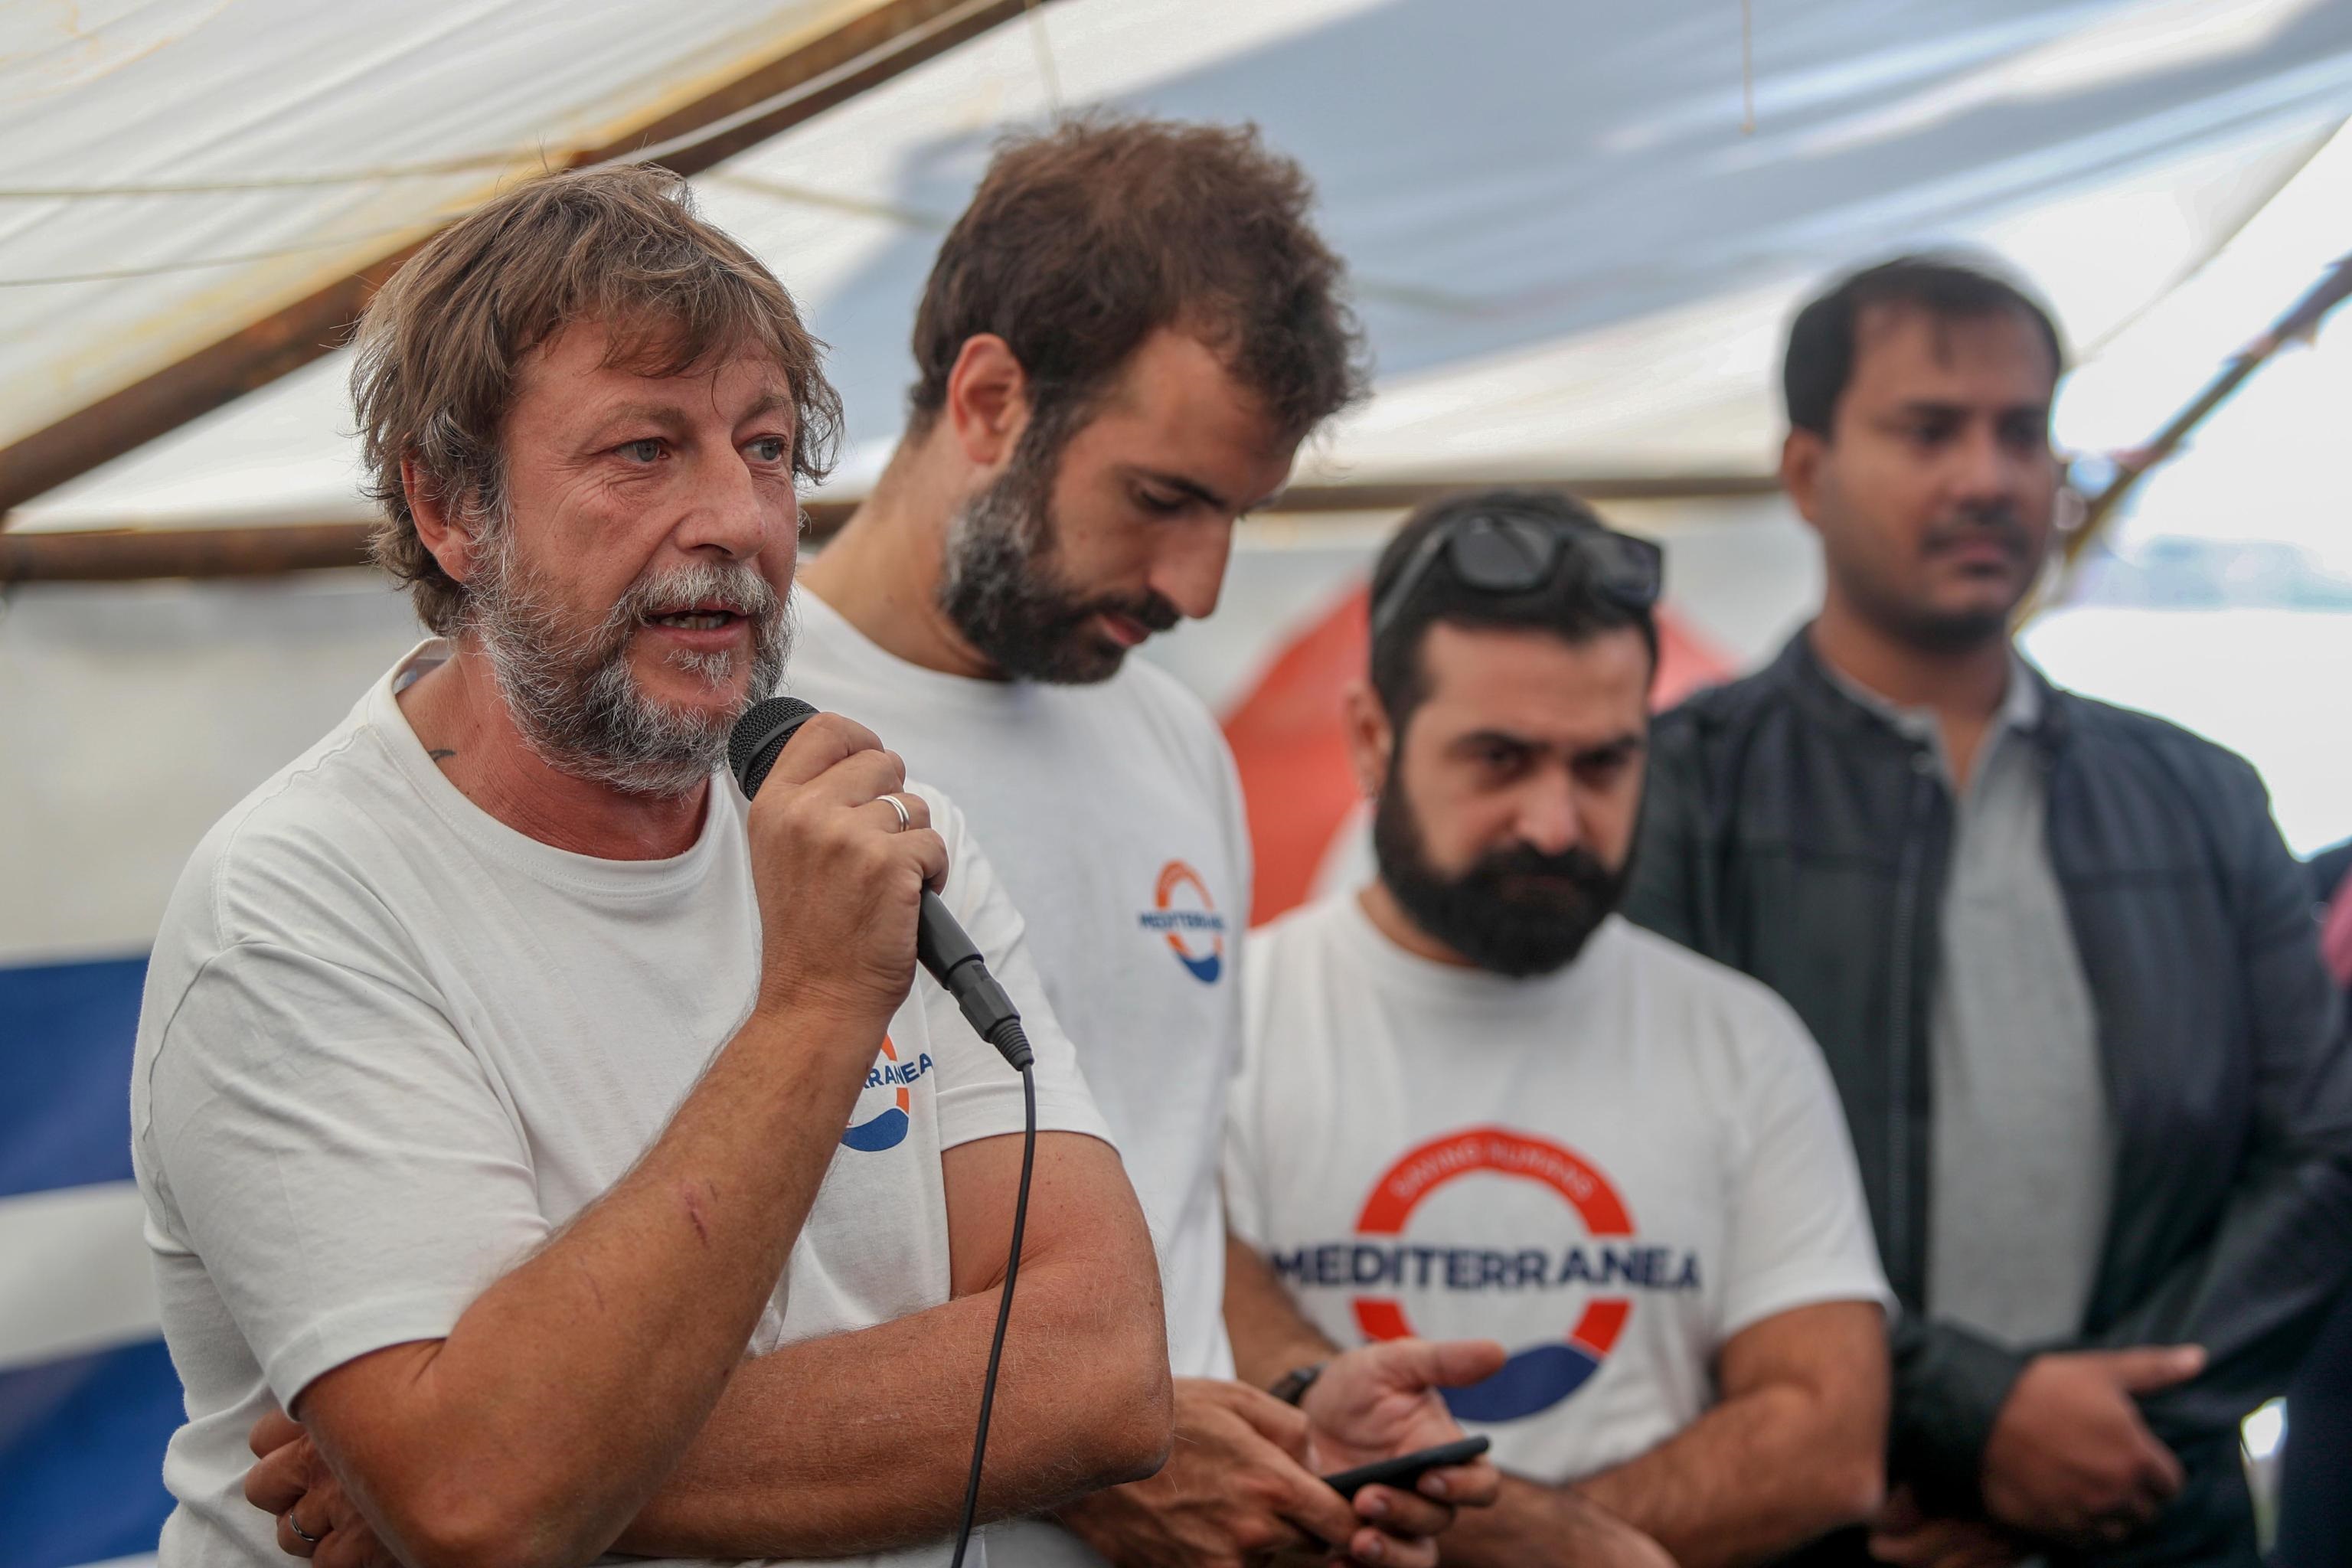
{"type": "Point", "coordinates": [2064, 971]}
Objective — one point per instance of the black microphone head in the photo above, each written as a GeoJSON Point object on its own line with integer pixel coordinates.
{"type": "Point", "coordinates": [753, 745]}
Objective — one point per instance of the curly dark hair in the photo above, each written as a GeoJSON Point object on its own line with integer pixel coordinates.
{"type": "Point", "coordinates": [1085, 239]}
{"type": "Point", "coordinates": [440, 345]}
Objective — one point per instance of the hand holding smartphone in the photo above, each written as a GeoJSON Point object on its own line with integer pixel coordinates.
{"type": "Point", "coordinates": [1406, 1469]}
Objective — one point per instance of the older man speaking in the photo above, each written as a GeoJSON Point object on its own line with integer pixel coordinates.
{"type": "Point", "coordinates": [495, 1062]}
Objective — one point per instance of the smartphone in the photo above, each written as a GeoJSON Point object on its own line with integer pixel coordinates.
{"type": "Point", "coordinates": [1406, 1468]}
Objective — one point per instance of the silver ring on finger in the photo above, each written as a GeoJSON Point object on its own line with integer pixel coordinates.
{"type": "Point", "coordinates": [906, 818]}
{"type": "Point", "coordinates": [301, 1534]}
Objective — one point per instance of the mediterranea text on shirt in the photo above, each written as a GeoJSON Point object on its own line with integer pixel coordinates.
{"type": "Point", "coordinates": [1403, 1265]}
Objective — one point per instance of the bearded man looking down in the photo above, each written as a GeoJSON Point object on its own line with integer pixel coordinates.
{"type": "Point", "coordinates": [1122, 343]}
{"type": "Point", "coordinates": [496, 1057]}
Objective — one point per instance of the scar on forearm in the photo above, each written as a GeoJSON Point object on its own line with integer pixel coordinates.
{"type": "Point", "coordinates": [438, 753]}
{"type": "Point", "coordinates": [694, 1214]}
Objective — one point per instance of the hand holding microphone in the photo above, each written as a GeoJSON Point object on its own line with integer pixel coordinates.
{"type": "Point", "coordinates": [838, 880]}
{"type": "Point", "coordinates": [757, 749]}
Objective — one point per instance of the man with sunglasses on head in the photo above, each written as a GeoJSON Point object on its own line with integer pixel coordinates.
{"type": "Point", "coordinates": [2064, 970]}
{"type": "Point", "coordinates": [1474, 1100]}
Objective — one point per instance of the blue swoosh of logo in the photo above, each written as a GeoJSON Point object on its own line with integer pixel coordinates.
{"type": "Point", "coordinates": [1205, 969]}
{"type": "Point", "coordinates": [1532, 1381]}
{"type": "Point", "coordinates": [887, 1130]}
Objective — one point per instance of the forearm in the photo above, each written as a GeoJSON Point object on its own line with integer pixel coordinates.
{"type": "Point", "coordinates": [1270, 1335]}
{"type": "Point", "coordinates": [1535, 1526]}
{"type": "Point", "coordinates": [862, 1442]}
{"type": "Point", "coordinates": [1756, 1477]}
{"type": "Point", "coordinates": [642, 1305]}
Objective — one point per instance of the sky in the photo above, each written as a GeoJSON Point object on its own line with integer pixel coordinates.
{"type": "Point", "coordinates": [2272, 464]}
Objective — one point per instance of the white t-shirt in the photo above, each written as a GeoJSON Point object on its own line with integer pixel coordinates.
{"type": "Point", "coordinates": [1612, 1170]}
{"type": "Point", "coordinates": [1113, 814]}
{"type": "Point", "coordinates": [389, 1045]}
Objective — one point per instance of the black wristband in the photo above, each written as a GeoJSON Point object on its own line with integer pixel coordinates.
{"type": "Point", "coordinates": [1292, 1386]}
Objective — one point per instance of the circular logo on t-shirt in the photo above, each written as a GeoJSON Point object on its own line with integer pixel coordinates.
{"type": "Point", "coordinates": [1539, 1376]}
{"type": "Point", "coordinates": [886, 1127]}
{"type": "Point", "coordinates": [1184, 912]}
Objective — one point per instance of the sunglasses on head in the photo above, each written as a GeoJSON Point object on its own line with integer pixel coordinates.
{"type": "Point", "coordinates": [1506, 551]}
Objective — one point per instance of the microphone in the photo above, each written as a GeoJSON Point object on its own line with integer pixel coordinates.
{"type": "Point", "coordinates": [941, 944]}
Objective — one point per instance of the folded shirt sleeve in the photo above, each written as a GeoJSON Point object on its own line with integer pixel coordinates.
{"type": "Point", "coordinates": [1801, 1231]}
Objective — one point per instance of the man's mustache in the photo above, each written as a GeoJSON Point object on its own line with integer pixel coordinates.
{"type": "Point", "coordinates": [1577, 870]}
{"type": "Point", "coordinates": [736, 583]}
{"type": "Point", "coordinates": [2003, 526]}
{"type": "Point", "coordinates": [1155, 611]}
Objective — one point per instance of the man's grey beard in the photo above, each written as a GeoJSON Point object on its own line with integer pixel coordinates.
{"type": "Point", "coordinates": [574, 697]}
{"type": "Point", "coordinates": [1002, 589]}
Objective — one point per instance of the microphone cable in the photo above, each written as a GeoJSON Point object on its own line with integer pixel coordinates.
{"type": "Point", "coordinates": [1012, 1273]}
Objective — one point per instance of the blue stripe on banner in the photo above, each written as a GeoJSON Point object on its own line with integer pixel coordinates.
{"type": "Point", "coordinates": [65, 1073]}
{"type": "Point", "coordinates": [84, 1439]}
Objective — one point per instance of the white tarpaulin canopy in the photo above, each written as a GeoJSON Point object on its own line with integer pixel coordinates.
{"type": "Point", "coordinates": [1570, 258]}
{"type": "Point", "coordinates": [177, 168]}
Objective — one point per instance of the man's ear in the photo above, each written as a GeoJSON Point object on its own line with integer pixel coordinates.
{"type": "Point", "coordinates": [1371, 737]}
{"type": "Point", "coordinates": [438, 527]}
{"type": "Point", "coordinates": [988, 401]}
{"type": "Point", "coordinates": [1801, 456]}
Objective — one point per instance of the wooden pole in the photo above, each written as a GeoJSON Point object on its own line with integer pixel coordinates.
{"type": "Point", "coordinates": [117, 557]}
{"type": "Point", "coordinates": [121, 556]}
{"type": "Point", "coordinates": [2301, 323]}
